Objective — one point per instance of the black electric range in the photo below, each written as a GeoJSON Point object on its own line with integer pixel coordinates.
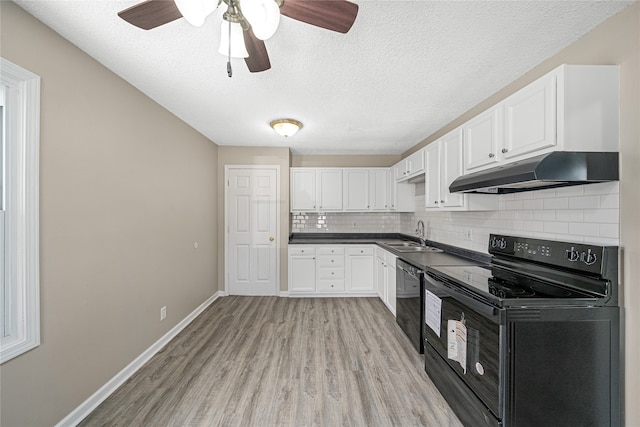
{"type": "Point", "coordinates": [531, 339]}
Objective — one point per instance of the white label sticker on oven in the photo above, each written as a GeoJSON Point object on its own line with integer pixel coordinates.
{"type": "Point", "coordinates": [457, 343]}
{"type": "Point", "coordinates": [433, 312]}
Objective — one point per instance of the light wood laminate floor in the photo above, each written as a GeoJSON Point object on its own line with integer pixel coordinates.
{"type": "Point", "coordinates": [270, 361]}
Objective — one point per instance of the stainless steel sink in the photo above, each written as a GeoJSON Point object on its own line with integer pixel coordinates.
{"type": "Point", "coordinates": [402, 244]}
{"type": "Point", "coordinates": [418, 249]}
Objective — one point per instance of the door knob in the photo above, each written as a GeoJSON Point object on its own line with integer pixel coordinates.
{"type": "Point", "coordinates": [271, 238]}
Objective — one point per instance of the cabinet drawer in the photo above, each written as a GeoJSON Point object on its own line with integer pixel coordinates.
{"type": "Point", "coordinates": [360, 251]}
{"type": "Point", "coordinates": [325, 273]}
{"type": "Point", "coordinates": [331, 261]}
{"type": "Point", "coordinates": [301, 250]}
{"type": "Point", "coordinates": [330, 286]}
{"type": "Point", "coordinates": [330, 250]}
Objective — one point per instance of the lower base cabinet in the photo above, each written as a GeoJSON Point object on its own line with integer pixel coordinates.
{"type": "Point", "coordinates": [331, 270]}
{"type": "Point", "coordinates": [386, 276]}
{"type": "Point", "coordinates": [343, 270]}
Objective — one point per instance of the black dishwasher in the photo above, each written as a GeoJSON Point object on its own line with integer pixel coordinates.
{"type": "Point", "coordinates": [409, 302]}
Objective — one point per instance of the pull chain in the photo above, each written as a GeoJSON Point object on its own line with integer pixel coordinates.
{"type": "Point", "coordinates": [229, 71]}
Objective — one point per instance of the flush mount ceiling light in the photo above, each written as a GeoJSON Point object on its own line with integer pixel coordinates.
{"type": "Point", "coordinates": [286, 127]}
{"type": "Point", "coordinates": [246, 23]}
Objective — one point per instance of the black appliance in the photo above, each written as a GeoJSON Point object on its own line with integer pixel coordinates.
{"type": "Point", "coordinates": [409, 302]}
{"type": "Point", "coordinates": [555, 169]}
{"type": "Point", "coordinates": [533, 339]}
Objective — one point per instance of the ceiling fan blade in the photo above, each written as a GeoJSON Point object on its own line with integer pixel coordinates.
{"type": "Point", "coordinates": [335, 15]}
{"type": "Point", "coordinates": [151, 13]}
{"type": "Point", "coordinates": [258, 59]}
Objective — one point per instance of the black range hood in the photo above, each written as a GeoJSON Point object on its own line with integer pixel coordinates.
{"type": "Point", "coordinates": [556, 169]}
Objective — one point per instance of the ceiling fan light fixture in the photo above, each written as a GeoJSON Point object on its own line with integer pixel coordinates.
{"type": "Point", "coordinates": [263, 15]}
{"type": "Point", "coordinates": [238, 48]}
{"type": "Point", "coordinates": [286, 127]}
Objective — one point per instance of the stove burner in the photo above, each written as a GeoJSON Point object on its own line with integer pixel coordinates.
{"type": "Point", "coordinates": [505, 290]}
{"type": "Point", "coordinates": [552, 291]}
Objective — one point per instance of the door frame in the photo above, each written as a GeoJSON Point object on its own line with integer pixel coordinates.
{"type": "Point", "coordinates": [227, 169]}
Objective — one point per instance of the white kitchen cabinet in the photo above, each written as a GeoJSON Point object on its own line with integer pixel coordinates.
{"type": "Point", "coordinates": [379, 189]}
{"type": "Point", "coordinates": [329, 189]}
{"type": "Point", "coordinates": [316, 189]}
{"type": "Point", "coordinates": [356, 189]}
{"type": "Point", "coordinates": [412, 166]}
{"type": "Point", "coordinates": [530, 119]}
{"type": "Point", "coordinates": [302, 269]}
{"type": "Point", "coordinates": [402, 195]}
{"type": "Point", "coordinates": [386, 278]}
{"type": "Point", "coordinates": [572, 108]}
{"type": "Point", "coordinates": [482, 137]}
{"type": "Point", "coordinates": [330, 269]}
{"type": "Point", "coordinates": [303, 189]}
{"type": "Point", "coordinates": [360, 269]}
{"type": "Point", "coordinates": [444, 164]}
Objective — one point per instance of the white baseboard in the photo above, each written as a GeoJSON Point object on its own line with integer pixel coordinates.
{"type": "Point", "coordinates": [81, 412]}
{"type": "Point", "coordinates": [284, 294]}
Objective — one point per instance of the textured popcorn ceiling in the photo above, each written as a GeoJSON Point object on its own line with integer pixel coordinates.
{"type": "Point", "coordinates": [405, 69]}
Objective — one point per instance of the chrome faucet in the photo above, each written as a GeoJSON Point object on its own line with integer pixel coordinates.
{"type": "Point", "coordinates": [420, 231]}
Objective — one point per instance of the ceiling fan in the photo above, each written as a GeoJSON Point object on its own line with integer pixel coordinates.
{"type": "Point", "coordinates": [257, 20]}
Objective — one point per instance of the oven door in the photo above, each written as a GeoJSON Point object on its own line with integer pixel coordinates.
{"type": "Point", "coordinates": [466, 334]}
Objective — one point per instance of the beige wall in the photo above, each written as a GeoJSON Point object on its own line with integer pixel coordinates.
{"type": "Point", "coordinates": [344, 161]}
{"type": "Point", "coordinates": [125, 190]}
{"type": "Point", "coordinates": [256, 156]}
{"type": "Point", "coordinates": [616, 41]}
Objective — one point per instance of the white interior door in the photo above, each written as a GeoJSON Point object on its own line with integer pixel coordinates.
{"type": "Point", "coordinates": [252, 222]}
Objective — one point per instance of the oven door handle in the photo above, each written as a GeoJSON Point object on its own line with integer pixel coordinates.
{"type": "Point", "coordinates": [482, 308]}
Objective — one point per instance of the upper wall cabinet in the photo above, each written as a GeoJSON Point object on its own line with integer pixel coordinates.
{"type": "Point", "coordinates": [349, 190]}
{"type": "Point", "coordinates": [316, 189]}
{"type": "Point", "coordinates": [410, 167]}
{"type": "Point", "coordinates": [572, 108]}
{"type": "Point", "coordinates": [356, 190]}
{"type": "Point", "coordinates": [444, 165]}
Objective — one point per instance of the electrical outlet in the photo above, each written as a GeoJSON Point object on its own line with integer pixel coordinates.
{"type": "Point", "coordinates": [468, 235]}
{"type": "Point", "coordinates": [163, 312]}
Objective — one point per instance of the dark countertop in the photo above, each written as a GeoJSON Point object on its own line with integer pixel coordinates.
{"type": "Point", "coordinates": [452, 255]}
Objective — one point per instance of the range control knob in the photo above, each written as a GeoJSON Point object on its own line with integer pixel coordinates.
{"type": "Point", "coordinates": [573, 255]}
{"type": "Point", "coordinates": [588, 257]}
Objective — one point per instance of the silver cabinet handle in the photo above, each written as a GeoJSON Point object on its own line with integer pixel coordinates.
{"type": "Point", "coordinates": [504, 150]}
{"type": "Point", "coordinates": [441, 201]}
{"type": "Point", "coordinates": [491, 155]}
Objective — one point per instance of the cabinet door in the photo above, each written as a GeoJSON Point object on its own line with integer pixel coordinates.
{"type": "Point", "coordinates": [391, 285]}
{"type": "Point", "coordinates": [378, 189]}
{"type": "Point", "coordinates": [356, 189]}
{"type": "Point", "coordinates": [360, 271]}
{"type": "Point", "coordinates": [482, 137]}
{"type": "Point", "coordinates": [530, 119]}
{"type": "Point", "coordinates": [415, 163]}
{"type": "Point", "coordinates": [302, 273]}
{"type": "Point", "coordinates": [450, 168]}
{"type": "Point", "coordinates": [303, 190]}
{"type": "Point", "coordinates": [380, 278]}
{"type": "Point", "coordinates": [329, 189]}
{"type": "Point", "coordinates": [392, 185]}
{"type": "Point", "coordinates": [432, 177]}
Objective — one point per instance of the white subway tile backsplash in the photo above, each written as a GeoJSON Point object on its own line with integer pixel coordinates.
{"type": "Point", "coordinates": [607, 216]}
{"type": "Point", "coordinates": [532, 204]}
{"type": "Point", "coordinates": [557, 203]}
{"type": "Point", "coordinates": [584, 202]}
{"type": "Point", "coordinates": [543, 215]}
{"type": "Point", "coordinates": [556, 227]}
{"type": "Point", "coordinates": [570, 215]}
{"type": "Point", "coordinates": [611, 231]}
{"type": "Point", "coordinates": [579, 214]}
